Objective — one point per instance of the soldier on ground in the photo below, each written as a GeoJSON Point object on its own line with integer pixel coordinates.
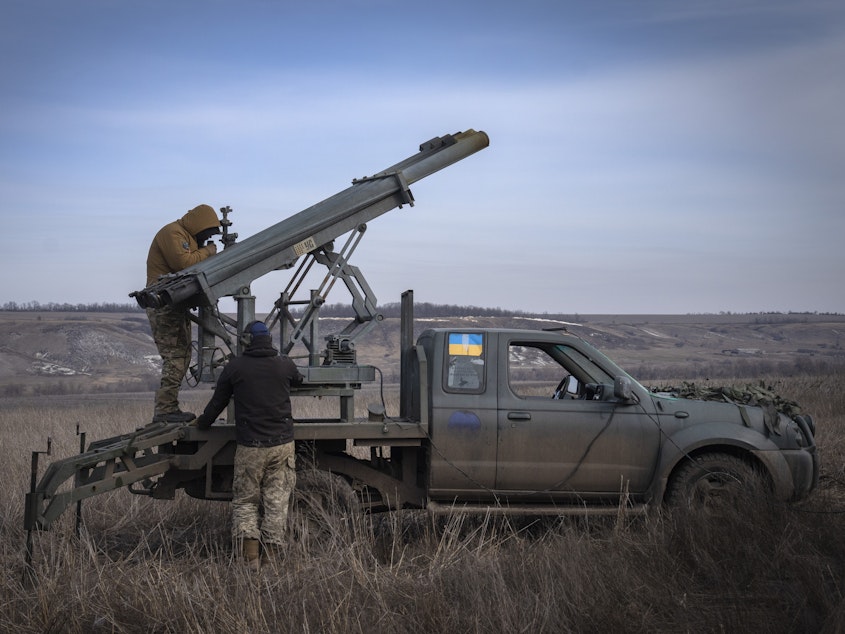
{"type": "Point", "coordinates": [265, 465]}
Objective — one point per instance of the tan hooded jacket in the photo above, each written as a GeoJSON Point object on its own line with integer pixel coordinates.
{"type": "Point", "coordinates": [175, 247]}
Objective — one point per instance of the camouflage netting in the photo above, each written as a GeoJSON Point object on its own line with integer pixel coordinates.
{"type": "Point", "coordinates": [759, 395]}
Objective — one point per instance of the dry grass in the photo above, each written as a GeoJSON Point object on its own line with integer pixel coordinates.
{"type": "Point", "coordinates": [166, 566]}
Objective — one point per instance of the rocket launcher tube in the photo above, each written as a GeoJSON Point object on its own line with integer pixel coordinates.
{"type": "Point", "coordinates": [280, 245]}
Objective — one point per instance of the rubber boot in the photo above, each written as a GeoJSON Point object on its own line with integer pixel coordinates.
{"type": "Point", "coordinates": [252, 554]}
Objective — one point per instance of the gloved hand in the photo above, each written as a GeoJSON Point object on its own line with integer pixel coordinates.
{"type": "Point", "coordinates": [212, 248]}
{"type": "Point", "coordinates": [203, 421]}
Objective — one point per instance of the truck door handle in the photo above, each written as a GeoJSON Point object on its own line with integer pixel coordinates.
{"type": "Point", "coordinates": [519, 415]}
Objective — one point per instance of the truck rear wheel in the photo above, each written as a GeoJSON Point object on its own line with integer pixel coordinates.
{"type": "Point", "coordinates": [323, 507]}
{"type": "Point", "coordinates": [713, 482]}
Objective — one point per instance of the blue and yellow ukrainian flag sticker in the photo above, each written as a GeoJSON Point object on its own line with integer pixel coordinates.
{"type": "Point", "coordinates": [466, 344]}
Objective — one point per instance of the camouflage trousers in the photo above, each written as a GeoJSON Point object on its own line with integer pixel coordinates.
{"type": "Point", "coordinates": [171, 331]}
{"type": "Point", "coordinates": [264, 480]}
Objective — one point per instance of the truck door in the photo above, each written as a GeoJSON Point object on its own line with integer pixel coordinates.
{"type": "Point", "coordinates": [464, 415]}
{"type": "Point", "coordinates": [560, 435]}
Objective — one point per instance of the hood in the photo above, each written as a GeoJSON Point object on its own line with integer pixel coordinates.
{"type": "Point", "coordinates": [200, 218]}
{"type": "Point", "coordinates": [261, 346]}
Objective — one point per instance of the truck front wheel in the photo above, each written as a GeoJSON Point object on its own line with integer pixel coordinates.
{"type": "Point", "coordinates": [713, 482]}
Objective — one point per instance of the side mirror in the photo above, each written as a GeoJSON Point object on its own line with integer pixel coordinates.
{"type": "Point", "coordinates": [622, 389]}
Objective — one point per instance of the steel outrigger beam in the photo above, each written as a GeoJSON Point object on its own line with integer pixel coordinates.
{"type": "Point", "coordinates": [107, 465]}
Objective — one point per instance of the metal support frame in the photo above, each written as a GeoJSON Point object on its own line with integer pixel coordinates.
{"type": "Point", "coordinates": [305, 329]}
{"type": "Point", "coordinates": [246, 314]}
{"type": "Point", "coordinates": [406, 346]}
{"type": "Point", "coordinates": [78, 482]}
{"type": "Point", "coordinates": [211, 327]}
{"type": "Point", "coordinates": [31, 508]}
{"type": "Point", "coordinates": [345, 377]}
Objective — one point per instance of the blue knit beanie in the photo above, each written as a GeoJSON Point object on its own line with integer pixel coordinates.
{"type": "Point", "coordinates": [259, 329]}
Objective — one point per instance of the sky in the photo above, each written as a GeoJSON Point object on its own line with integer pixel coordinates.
{"type": "Point", "coordinates": [645, 157]}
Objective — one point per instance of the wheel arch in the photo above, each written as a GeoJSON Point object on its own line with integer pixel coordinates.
{"type": "Point", "coordinates": [748, 445]}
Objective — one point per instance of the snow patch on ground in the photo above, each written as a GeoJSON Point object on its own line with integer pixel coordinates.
{"type": "Point", "coordinates": [52, 369]}
{"type": "Point", "coordinates": [551, 321]}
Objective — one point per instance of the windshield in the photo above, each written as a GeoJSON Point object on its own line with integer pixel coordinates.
{"type": "Point", "coordinates": [580, 365]}
{"type": "Point", "coordinates": [597, 357]}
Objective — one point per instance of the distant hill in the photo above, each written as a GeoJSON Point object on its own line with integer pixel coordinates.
{"type": "Point", "coordinates": [56, 352]}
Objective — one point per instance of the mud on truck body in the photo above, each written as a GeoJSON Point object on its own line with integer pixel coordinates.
{"type": "Point", "coordinates": [496, 420]}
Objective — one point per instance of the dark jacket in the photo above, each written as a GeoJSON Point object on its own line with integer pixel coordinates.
{"type": "Point", "coordinates": [260, 381]}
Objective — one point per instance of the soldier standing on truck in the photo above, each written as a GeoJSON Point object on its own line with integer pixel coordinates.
{"type": "Point", "coordinates": [265, 463]}
{"type": "Point", "coordinates": [176, 246]}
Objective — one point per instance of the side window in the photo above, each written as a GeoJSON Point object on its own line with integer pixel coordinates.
{"type": "Point", "coordinates": [532, 372]}
{"type": "Point", "coordinates": [467, 354]}
{"type": "Point", "coordinates": [558, 371]}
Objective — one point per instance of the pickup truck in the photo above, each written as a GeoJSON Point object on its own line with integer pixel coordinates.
{"type": "Point", "coordinates": [496, 420]}
{"type": "Point", "coordinates": [543, 419]}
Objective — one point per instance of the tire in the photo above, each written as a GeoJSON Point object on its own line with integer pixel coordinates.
{"type": "Point", "coordinates": [713, 482]}
{"type": "Point", "coordinates": [323, 508]}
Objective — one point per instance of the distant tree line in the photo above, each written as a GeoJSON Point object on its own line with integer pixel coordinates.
{"type": "Point", "coordinates": [425, 309]}
{"type": "Point", "coordinates": [56, 307]}
{"type": "Point", "coordinates": [422, 309]}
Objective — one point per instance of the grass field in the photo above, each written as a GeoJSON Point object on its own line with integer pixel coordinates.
{"type": "Point", "coordinates": [141, 565]}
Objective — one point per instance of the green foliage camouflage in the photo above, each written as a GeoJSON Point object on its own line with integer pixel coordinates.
{"type": "Point", "coordinates": [754, 395]}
